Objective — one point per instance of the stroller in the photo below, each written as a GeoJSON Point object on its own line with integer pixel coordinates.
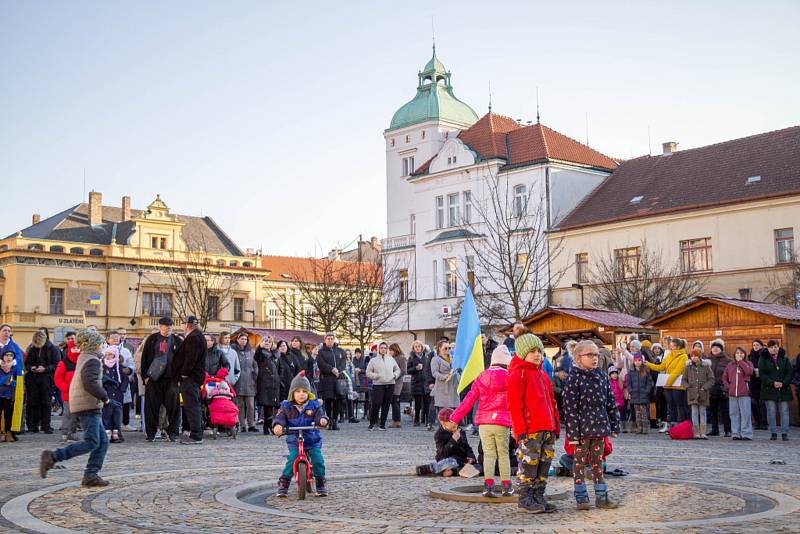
{"type": "Point", "coordinates": [222, 409]}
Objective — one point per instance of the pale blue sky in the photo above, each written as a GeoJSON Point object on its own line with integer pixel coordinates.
{"type": "Point", "coordinates": [269, 117]}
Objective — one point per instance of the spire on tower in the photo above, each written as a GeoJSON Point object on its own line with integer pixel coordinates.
{"type": "Point", "coordinates": [490, 96]}
{"type": "Point", "coordinates": [537, 105]}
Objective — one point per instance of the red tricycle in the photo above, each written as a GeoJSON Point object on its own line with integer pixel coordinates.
{"type": "Point", "coordinates": [302, 465]}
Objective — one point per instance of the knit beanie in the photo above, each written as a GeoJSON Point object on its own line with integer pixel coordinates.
{"type": "Point", "coordinates": [300, 382]}
{"type": "Point", "coordinates": [702, 345]}
{"type": "Point", "coordinates": [636, 345]}
{"type": "Point", "coordinates": [89, 340]}
{"type": "Point", "coordinates": [718, 343]}
{"type": "Point", "coordinates": [647, 344]}
{"type": "Point", "coordinates": [501, 356]}
{"type": "Point", "coordinates": [445, 413]}
{"type": "Point", "coordinates": [526, 343]}
{"type": "Point", "coordinates": [113, 349]}
{"type": "Point", "coordinates": [612, 369]}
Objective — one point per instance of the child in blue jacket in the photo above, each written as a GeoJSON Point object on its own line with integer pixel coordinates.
{"type": "Point", "coordinates": [301, 409]}
{"type": "Point", "coordinates": [8, 385]}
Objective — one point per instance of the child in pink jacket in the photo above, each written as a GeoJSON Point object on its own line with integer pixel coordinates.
{"type": "Point", "coordinates": [494, 421]}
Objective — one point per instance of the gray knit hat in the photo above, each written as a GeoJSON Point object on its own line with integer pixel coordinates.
{"type": "Point", "coordinates": [89, 340]}
{"type": "Point", "coordinates": [526, 343]}
{"type": "Point", "coordinates": [300, 382]}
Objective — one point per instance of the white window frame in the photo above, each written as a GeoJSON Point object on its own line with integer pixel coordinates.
{"type": "Point", "coordinates": [784, 245]}
{"type": "Point", "coordinates": [466, 197]}
{"type": "Point", "coordinates": [520, 200]}
{"type": "Point", "coordinates": [453, 209]}
{"type": "Point", "coordinates": [439, 205]}
{"type": "Point", "coordinates": [412, 224]}
{"type": "Point", "coordinates": [450, 277]}
{"type": "Point", "coordinates": [435, 279]}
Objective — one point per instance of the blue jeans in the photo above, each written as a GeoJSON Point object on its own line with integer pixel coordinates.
{"type": "Point", "coordinates": [771, 409]}
{"type": "Point", "coordinates": [95, 443]}
{"type": "Point", "coordinates": [741, 422]}
{"type": "Point", "coordinates": [314, 455]}
{"type": "Point", "coordinates": [447, 463]}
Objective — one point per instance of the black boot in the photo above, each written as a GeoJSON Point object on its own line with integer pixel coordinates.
{"type": "Point", "coordinates": [540, 497]}
{"type": "Point", "coordinates": [283, 486]}
{"type": "Point", "coordinates": [322, 490]}
{"type": "Point", "coordinates": [424, 470]}
{"type": "Point", "coordinates": [528, 503]}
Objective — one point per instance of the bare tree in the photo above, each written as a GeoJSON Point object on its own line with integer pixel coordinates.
{"type": "Point", "coordinates": [641, 282]}
{"type": "Point", "coordinates": [509, 247]}
{"type": "Point", "coordinates": [377, 292]}
{"type": "Point", "coordinates": [324, 293]}
{"type": "Point", "coordinates": [785, 281]}
{"type": "Point", "coordinates": [198, 285]}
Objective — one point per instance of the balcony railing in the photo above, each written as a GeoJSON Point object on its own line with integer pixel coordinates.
{"type": "Point", "coordinates": [398, 242]}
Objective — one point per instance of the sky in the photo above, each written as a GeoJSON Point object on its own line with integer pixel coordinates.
{"type": "Point", "coordinates": [269, 116]}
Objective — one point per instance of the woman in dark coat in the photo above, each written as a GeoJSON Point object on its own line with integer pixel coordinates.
{"type": "Point", "coordinates": [757, 406]}
{"type": "Point", "coordinates": [297, 354]}
{"type": "Point", "coordinates": [416, 368]}
{"type": "Point", "coordinates": [268, 387]}
{"type": "Point", "coordinates": [330, 364]}
{"type": "Point", "coordinates": [286, 367]}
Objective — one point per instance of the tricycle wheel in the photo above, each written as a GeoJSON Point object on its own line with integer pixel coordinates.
{"type": "Point", "coordinates": [302, 480]}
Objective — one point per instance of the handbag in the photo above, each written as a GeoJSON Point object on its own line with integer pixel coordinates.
{"type": "Point", "coordinates": [157, 368]}
{"type": "Point", "coordinates": [342, 387]}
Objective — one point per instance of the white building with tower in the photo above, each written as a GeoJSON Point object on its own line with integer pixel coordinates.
{"type": "Point", "coordinates": [445, 169]}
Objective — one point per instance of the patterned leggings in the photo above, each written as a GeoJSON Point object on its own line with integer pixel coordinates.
{"type": "Point", "coordinates": [534, 456]}
{"type": "Point", "coordinates": [588, 451]}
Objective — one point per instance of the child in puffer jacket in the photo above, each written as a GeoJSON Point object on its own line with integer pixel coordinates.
{"type": "Point", "coordinates": [115, 382]}
{"type": "Point", "coordinates": [640, 385]}
{"type": "Point", "coordinates": [494, 421]}
{"type": "Point", "coordinates": [534, 421]}
{"type": "Point", "coordinates": [619, 386]}
{"type": "Point", "coordinates": [698, 377]}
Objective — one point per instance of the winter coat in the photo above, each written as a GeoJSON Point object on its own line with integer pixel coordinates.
{"type": "Point", "coordinates": [427, 375]}
{"type": "Point", "coordinates": [402, 364]}
{"type": "Point", "coordinates": [590, 409]}
{"type": "Point", "coordinates": [115, 382]}
{"type": "Point", "coordinates": [755, 381]}
{"type": "Point", "coordinates": [329, 359]}
{"type": "Point", "coordinates": [418, 386]}
{"type": "Point", "coordinates": [673, 364]}
{"type": "Point", "coordinates": [619, 390]}
{"type": "Point", "coordinates": [287, 369]}
{"type": "Point", "coordinates": [46, 356]}
{"type": "Point", "coordinates": [190, 358]}
{"type": "Point", "coordinates": [698, 380]}
{"type": "Point", "coordinates": [640, 387]}
{"type": "Point", "coordinates": [383, 370]}
{"type": "Point", "coordinates": [216, 360]}
{"type": "Point", "coordinates": [150, 351]}
{"type": "Point", "coordinates": [234, 368]}
{"type": "Point", "coordinates": [361, 363]}
{"type": "Point", "coordinates": [490, 391]}
{"type": "Point", "coordinates": [300, 361]}
{"type": "Point", "coordinates": [447, 447]}
{"type": "Point", "coordinates": [491, 344]}
{"type": "Point", "coordinates": [127, 366]}
{"type": "Point", "coordinates": [780, 371]}
{"type": "Point", "coordinates": [718, 364]}
{"type": "Point", "coordinates": [86, 392]}
{"type": "Point", "coordinates": [291, 415]}
{"type": "Point", "coordinates": [246, 385]}
{"type": "Point", "coordinates": [531, 402]}
{"type": "Point", "coordinates": [268, 385]}
{"type": "Point", "coordinates": [736, 378]}
{"type": "Point", "coordinates": [8, 384]}
{"type": "Point", "coordinates": [65, 369]}
{"type": "Point", "coordinates": [444, 392]}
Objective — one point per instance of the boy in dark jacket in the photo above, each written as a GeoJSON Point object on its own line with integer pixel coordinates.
{"type": "Point", "coordinates": [452, 449]}
{"type": "Point", "coordinates": [591, 416]}
{"type": "Point", "coordinates": [301, 409]}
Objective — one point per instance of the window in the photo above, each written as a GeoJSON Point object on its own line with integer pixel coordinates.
{"type": "Point", "coordinates": [158, 242]}
{"type": "Point", "coordinates": [784, 245]}
{"type": "Point", "coordinates": [627, 262]}
{"type": "Point", "coordinates": [76, 250]}
{"type": "Point", "coordinates": [470, 262]}
{"type": "Point", "coordinates": [408, 165]}
{"type": "Point", "coordinates": [273, 318]}
{"type": "Point", "coordinates": [56, 300]}
{"type": "Point", "coordinates": [309, 321]}
{"type": "Point", "coordinates": [467, 197]}
{"type": "Point", "coordinates": [247, 264]}
{"type": "Point", "coordinates": [439, 212]}
{"type": "Point", "coordinates": [157, 304]}
{"type": "Point", "coordinates": [95, 252]}
{"type": "Point", "coordinates": [452, 209]}
{"type": "Point", "coordinates": [582, 267]}
{"type": "Point", "coordinates": [450, 278]}
{"type": "Point", "coordinates": [56, 248]}
{"type": "Point", "coordinates": [696, 255]}
{"type": "Point", "coordinates": [402, 285]}
{"type": "Point", "coordinates": [238, 309]}
{"type": "Point", "coordinates": [745, 293]}
{"type": "Point", "coordinates": [423, 134]}
{"type": "Point", "coordinates": [412, 224]}
{"type": "Point", "coordinates": [213, 308]}
{"type": "Point", "coordinates": [454, 159]}
{"type": "Point", "coordinates": [36, 246]}
{"type": "Point", "coordinates": [391, 142]}
{"type": "Point", "coordinates": [520, 200]}
{"type": "Point", "coordinates": [408, 139]}
{"type": "Point", "coordinates": [435, 279]}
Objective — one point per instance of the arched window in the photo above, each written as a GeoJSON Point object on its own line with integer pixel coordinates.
{"type": "Point", "coordinates": [3, 247]}
{"type": "Point", "coordinates": [35, 246]}
{"type": "Point", "coordinates": [234, 263]}
{"type": "Point", "coordinates": [247, 264]}
{"type": "Point", "coordinates": [76, 250]}
{"type": "Point", "coordinates": [520, 200]}
{"type": "Point", "coordinates": [220, 263]}
{"type": "Point", "coordinates": [56, 248]}
{"type": "Point", "coordinates": [95, 252]}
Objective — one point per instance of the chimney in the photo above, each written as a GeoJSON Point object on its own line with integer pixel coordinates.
{"type": "Point", "coordinates": [376, 244]}
{"type": "Point", "coordinates": [95, 208]}
{"type": "Point", "coordinates": [36, 218]}
{"type": "Point", "coordinates": [670, 147]}
{"type": "Point", "coordinates": [126, 208]}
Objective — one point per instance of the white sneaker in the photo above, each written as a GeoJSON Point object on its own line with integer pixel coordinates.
{"type": "Point", "coordinates": [129, 428]}
{"type": "Point", "coordinates": [664, 428]}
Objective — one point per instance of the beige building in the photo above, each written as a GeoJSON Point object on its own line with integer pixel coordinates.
{"type": "Point", "coordinates": [115, 267]}
{"type": "Point", "coordinates": [728, 212]}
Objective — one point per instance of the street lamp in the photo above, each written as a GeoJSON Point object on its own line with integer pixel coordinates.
{"type": "Point", "coordinates": [579, 286]}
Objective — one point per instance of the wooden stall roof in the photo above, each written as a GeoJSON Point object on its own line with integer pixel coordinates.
{"type": "Point", "coordinates": [719, 312]}
{"type": "Point", "coordinates": [556, 324]}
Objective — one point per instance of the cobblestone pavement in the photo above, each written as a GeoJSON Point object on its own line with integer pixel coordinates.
{"type": "Point", "coordinates": [225, 486]}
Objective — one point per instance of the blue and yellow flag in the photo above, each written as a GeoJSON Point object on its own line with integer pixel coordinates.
{"type": "Point", "coordinates": [19, 386]}
{"type": "Point", "coordinates": [468, 355]}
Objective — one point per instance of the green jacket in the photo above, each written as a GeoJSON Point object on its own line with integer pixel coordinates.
{"type": "Point", "coordinates": [770, 372]}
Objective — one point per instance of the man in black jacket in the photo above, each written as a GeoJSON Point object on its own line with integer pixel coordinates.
{"type": "Point", "coordinates": [160, 390]}
{"type": "Point", "coordinates": [190, 371]}
{"type": "Point", "coordinates": [41, 360]}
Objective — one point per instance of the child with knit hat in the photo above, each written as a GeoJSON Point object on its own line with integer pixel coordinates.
{"type": "Point", "coordinates": [301, 409]}
{"type": "Point", "coordinates": [534, 421]}
{"type": "Point", "coordinates": [115, 382]}
{"type": "Point", "coordinates": [492, 416]}
{"type": "Point", "coordinates": [452, 448]}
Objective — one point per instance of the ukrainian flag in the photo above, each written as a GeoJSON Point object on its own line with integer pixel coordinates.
{"type": "Point", "coordinates": [468, 355]}
{"type": "Point", "coordinates": [19, 388]}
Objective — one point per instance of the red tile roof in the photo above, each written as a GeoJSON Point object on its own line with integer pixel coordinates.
{"type": "Point", "coordinates": [702, 177]}
{"type": "Point", "coordinates": [289, 268]}
{"type": "Point", "coordinates": [498, 136]}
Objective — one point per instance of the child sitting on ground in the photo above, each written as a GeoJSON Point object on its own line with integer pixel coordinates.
{"type": "Point", "coordinates": [489, 391]}
{"type": "Point", "coordinates": [115, 382]}
{"type": "Point", "coordinates": [590, 416]}
{"type": "Point", "coordinates": [8, 384]}
{"type": "Point", "coordinates": [534, 422]}
{"type": "Point", "coordinates": [301, 409]}
{"type": "Point", "coordinates": [452, 449]}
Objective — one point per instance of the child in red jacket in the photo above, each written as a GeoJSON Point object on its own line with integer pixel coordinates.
{"type": "Point", "coordinates": [63, 378]}
{"type": "Point", "coordinates": [534, 421]}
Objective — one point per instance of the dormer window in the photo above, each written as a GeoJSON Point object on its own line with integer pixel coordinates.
{"type": "Point", "coordinates": [391, 142]}
{"type": "Point", "coordinates": [454, 159]}
{"type": "Point", "coordinates": [408, 139]}
{"type": "Point", "coordinates": [408, 165]}
{"type": "Point", "coordinates": [637, 199]}
{"type": "Point", "coordinates": [753, 179]}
